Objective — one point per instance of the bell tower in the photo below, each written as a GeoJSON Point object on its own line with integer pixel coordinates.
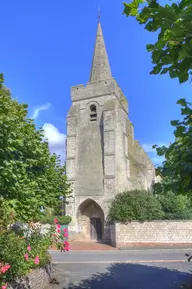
{"type": "Point", "coordinates": [97, 151]}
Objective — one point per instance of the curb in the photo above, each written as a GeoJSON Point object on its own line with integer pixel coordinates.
{"type": "Point", "coordinates": [121, 249]}
{"type": "Point", "coordinates": [155, 248]}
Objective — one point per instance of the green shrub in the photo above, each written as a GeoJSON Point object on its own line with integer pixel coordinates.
{"type": "Point", "coordinates": [175, 207]}
{"type": "Point", "coordinates": [135, 205]}
{"type": "Point", "coordinates": [63, 220]}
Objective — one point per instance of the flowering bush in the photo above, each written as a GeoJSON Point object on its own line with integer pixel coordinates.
{"type": "Point", "coordinates": [25, 248]}
{"type": "Point", "coordinates": [22, 251]}
{"type": "Point", "coordinates": [60, 237]}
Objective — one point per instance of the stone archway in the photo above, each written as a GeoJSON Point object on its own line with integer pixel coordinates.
{"type": "Point", "coordinates": [90, 218]}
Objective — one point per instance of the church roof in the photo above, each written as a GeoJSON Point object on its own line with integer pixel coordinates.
{"type": "Point", "coordinates": [100, 65]}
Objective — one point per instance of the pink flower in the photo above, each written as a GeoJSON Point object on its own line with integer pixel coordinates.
{"type": "Point", "coordinates": [36, 260]}
{"type": "Point", "coordinates": [4, 286]}
{"type": "Point", "coordinates": [66, 243]}
{"type": "Point", "coordinates": [28, 248]}
{"type": "Point", "coordinates": [26, 257]}
{"type": "Point", "coordinates": [58, 226]}
{"type": "Point", "coordinates": [58, 231]}
{"type": "Point", "coordinates": [56, 221]}
{"type": "Point", "coordinates": [3, 270]}
{"type": "Point", "coordinates": [65, 230]}
{"type": "Point", "coordinates": [67, 248]}
{"type": "Point", "coordinates": [7, 266]}
{"type": "Point", "coordinates": [65, 235]}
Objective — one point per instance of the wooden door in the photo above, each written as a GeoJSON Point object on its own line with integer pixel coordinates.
{"type": "Point", "coordinates": [96, 229]}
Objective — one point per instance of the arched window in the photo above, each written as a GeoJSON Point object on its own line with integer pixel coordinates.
{"type": "Point", "coordinates": [93, 112]}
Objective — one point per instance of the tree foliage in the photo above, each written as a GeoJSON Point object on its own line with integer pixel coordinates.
{"type": "Point", "coordinates": [175, 207]}
{"type": "Point", "coordinates": [30, 177]}
{"type": "Point", "coordinates": [176, 170]}
{"type": "Point", "coordinates": [172, 53]}
{"type": "Point", "coordinates": [135, 205]}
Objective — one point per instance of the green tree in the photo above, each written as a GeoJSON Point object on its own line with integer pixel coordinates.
{"type": "Point", "coordinates": [30, 177]}
{"type": "Point", "coordinates": [176, 170]}
{"type": "Point", "coordinates": [172, 53]}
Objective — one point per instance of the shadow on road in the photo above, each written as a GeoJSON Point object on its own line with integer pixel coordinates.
{"type": "Point", "coordinates": [134, 276]}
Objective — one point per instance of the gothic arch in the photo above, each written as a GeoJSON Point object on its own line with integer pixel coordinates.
{"type": "Point", "coordinates": [90, 218]}
{"type": "Point", "coordinates": [92, 110]}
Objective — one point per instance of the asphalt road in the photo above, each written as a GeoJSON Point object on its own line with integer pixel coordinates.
{"type": "Point", "coordinates": [131, 269]}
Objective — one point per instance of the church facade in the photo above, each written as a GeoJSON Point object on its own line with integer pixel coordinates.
{"type": "Point", "coordinates": [102, 156]}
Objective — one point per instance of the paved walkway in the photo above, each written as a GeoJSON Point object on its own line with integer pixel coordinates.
{"type": "Point", "coordinates": [133, 269]}
{"type": "Point", "coordinates": [90, 246]}
{"type": "Point", "coordinates": [95, 246]}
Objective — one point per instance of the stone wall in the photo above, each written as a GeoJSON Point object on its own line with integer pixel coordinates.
{"type": "Point", "coordinates": [151, 233]}
{"type": "Point", "coordinates": [37, 279]}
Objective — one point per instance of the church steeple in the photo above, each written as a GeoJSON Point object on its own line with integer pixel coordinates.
{"type": "Point", "coordinates": [100, 66]}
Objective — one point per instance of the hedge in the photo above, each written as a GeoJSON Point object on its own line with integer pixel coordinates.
{"type": "Point", "coordinates": [135, 205]}
{"type": "Point", "coordinates": [140, 205]}
{"type": "Point", "coordinates": [63, 220]}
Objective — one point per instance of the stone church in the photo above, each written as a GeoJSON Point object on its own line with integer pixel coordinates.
{"type": "Point", "coordinates": [102, 156]}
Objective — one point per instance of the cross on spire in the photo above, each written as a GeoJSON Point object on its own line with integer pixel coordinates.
{"type": "Point", "coordinates": [99, 13]}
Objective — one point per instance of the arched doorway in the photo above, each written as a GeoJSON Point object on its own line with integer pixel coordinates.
{"type": "Point", "coordinates": [90, 219]}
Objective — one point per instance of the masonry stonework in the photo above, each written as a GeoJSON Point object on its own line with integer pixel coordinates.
{"type": "Point", "coordinates": [37, 279]}
{"type": "Point", "coordinates": [102, 157]}
{"type": "Point", "coordinates": [133, 234]}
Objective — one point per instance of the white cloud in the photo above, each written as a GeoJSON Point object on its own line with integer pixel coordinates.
{"type": "Point", "coordinates": [157, 160]}
{"type": "Point", "coordinates": [39, 108]}
{"type": "Point", "coordinates": [56, 140]}
{"type": "Point", "coordinates": [148, 147]}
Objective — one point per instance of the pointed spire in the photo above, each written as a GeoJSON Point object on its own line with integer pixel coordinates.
{"type": "Point", "coordinates": [100, 66]}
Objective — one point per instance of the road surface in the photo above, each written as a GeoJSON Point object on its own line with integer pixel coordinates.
{"type": "Point", "coordinates": [131, 269]}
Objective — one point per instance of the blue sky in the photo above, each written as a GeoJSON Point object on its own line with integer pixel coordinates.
{"type": "Point", "coordinates": [47, 46]}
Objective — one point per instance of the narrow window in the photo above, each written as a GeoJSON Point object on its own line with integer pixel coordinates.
{"type": "Point", "coordinates": [93, 113]}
